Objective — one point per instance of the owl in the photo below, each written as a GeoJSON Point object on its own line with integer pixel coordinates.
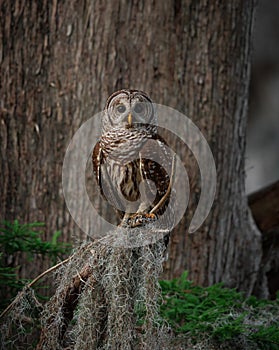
{"type": "Point", "coordinates": [132, 163]}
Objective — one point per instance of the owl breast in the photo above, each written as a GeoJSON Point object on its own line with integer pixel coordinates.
{"type": "Point", "coordinates": [121, 168]}
{"type": "Point", "coordinates": [125, 178]}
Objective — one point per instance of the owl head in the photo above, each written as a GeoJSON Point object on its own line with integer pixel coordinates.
{"type": "Point", "coordinates": [129, 109]}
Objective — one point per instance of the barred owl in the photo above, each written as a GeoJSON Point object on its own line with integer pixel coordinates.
{"type": "Point", "coordinates": [132, 162]}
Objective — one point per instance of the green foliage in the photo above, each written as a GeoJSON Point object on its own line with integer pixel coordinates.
{"type": "Point", "coordinates": [219, 313]}
{"type": "Point", "coordinates": [267, 337]}
{"type": "Point", "coordinates": [16, 238]}
{"type": "Point", "coordinates": [8, 276]}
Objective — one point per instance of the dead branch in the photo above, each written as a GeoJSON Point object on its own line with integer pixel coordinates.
{"type": "Point", "coordinates": [264, 205]}
{"type": "Point", "coordinates": [31, 284]}
{"type": "Point", "coordinates": [106, 297]}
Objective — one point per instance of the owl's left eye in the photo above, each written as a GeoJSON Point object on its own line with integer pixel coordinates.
{"type": "Point", "coordinates": [138, 108]}
{"type": "Point", "coordinates": [121, 109]}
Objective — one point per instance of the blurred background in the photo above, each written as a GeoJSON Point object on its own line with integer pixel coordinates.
{"type": "Point", "coordinates": [262, 154]}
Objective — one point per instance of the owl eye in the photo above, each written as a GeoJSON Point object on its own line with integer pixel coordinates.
{"type": "Point", "coordinates": [121, 108]}
{"type": "Point", "coordinates": [138, 108]}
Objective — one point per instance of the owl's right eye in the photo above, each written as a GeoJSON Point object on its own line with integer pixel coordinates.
{"type": "Point", "coordinates": [121, 109]}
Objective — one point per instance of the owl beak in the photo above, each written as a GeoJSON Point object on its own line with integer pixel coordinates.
{"type": "Point", "coordinates": [130, 119]}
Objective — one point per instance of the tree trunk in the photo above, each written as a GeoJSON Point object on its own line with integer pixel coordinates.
{"type": "Point", "coordinates": [61, 60]}
{"type": "Point", "coordinates": [214, 85]}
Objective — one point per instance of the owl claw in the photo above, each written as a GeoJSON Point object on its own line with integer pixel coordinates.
{"type": "Point", "coordinates": [139, 219]}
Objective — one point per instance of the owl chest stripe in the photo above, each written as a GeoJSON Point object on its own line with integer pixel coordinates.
{"type": "Point", "coordinates": [129, 185]}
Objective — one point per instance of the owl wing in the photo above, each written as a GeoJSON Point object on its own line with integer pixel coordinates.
{"type": "Point", "coordinates": [156, 164]}
{"type": "Point", "coordinates": [103, 180]}
{"type": "Point", "coordinates": [97, 160]}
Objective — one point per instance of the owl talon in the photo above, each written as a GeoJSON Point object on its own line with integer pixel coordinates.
{"type": "Point", "coordinates": [137, 220]}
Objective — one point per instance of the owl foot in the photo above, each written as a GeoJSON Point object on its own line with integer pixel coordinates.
{"type": "Point", "coordinates": [139, 219]}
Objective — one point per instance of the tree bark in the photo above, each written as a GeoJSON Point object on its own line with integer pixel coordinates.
{"type": "Point", "coordinates": [59, 63]}
{"type": "Point", "coordinates": [214, 87]}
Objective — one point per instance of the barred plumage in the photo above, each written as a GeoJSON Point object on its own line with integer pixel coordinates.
{"type": "Point", "coordinates": [131, 162]}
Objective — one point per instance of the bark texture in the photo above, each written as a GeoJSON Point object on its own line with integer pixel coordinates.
{"type": "Point", "coordinates": [60, 61]}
